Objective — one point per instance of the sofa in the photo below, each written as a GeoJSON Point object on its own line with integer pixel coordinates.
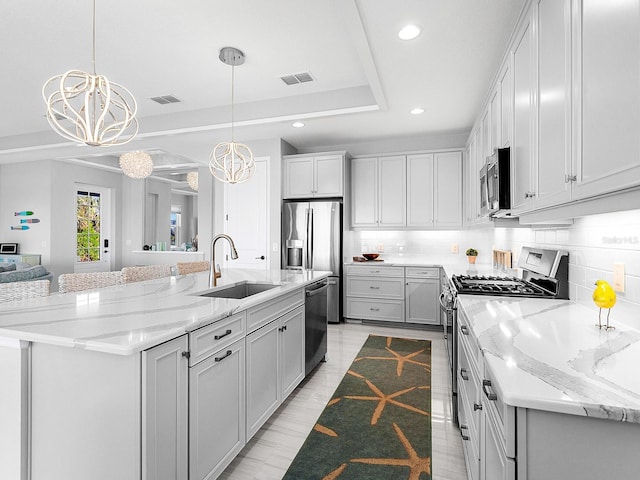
{"type": "Point", "coordinates": [23, 272]}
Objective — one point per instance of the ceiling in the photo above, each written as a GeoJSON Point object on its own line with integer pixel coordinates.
{"type": "Point", "coordinates": [365, 78]}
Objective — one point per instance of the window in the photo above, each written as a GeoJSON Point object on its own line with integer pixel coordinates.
{"type": "Point", "coordinates": [88, 215]}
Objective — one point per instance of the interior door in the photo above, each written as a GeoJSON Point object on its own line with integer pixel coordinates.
{"type": "Point", "coordinates": [93, 226]}
{"type": "Point", "coordinates": [247, 219]}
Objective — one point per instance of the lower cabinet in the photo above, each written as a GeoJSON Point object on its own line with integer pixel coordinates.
{"type": "Point", "coordinates": [204, 394]}
{"type": "Point", "coordinates": [393, 294]}
{"type": "Point", "coordinates": [275, 366]}
{"type": "Point", "coordinates": [216, 411]}
{"type": "Point", "coordinates": [165, 411]}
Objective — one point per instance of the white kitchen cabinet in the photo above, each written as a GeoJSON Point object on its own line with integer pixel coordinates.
{"type": "Point", "coordinates": [421, 295]}
{"type": "Point", "coordinates": [607, 96]}
{"type": "Point", "coordinates": [553, 165]}
{"type": "Point", "coordinates": [375, 293]}
{"type": "Point", "coordinates": [494, 108]}
{"type": "Point", "coordinates": [506, 102]}
{"type": "Point", "coordinates": [448, 189]}
{"type": "Point", "coordinates": [275, 366]}
{"type": "Point", "coordinates": [378, 186]}
{"type": "Point", "coordinates": [216, 411]}
{"type": "Point", "coordinates": [311, 176]}
{"type": "Point", "coordinates": [522, 189]}
{"type": "Point", "coordinates": [165, 411]}
{"type": "Point", "coordinates": [434, 190]}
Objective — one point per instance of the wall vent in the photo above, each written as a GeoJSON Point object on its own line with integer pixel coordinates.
{"type": "Point", "coordinates": [295, 78]}
{"type": "Point", "coordinates": [165, 99]}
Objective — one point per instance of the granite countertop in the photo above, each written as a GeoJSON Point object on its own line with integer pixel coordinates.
{"type": "Point", "coordinates": [129, 318]}
{"type": "Point", "coordinates": [547, 354]}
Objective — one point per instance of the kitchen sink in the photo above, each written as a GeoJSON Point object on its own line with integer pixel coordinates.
{"type": "Point", "coordinates": [238, 290]}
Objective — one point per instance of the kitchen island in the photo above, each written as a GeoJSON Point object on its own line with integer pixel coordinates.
{"type": "Point", "coordinates": [121, 382]}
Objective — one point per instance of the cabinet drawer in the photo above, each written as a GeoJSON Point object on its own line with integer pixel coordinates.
{"type": "Point", "coordinates": [387, 310]}
{"type": "Point", "coordinates": [502, 415]}
{"type": "Point", "coordinates": [373, 270]}
{"type": "Point", "coordinates": [422, 272]}
{"type": "Point", "coordinates": [470, 443]}
{"type": "Point", "coordinates": [466, 338]}
{"type": "Point", "coordinates": [205, 341]}
{"type": "Point", "coordinates": [469, 389]}
{"type": "Point", "coordinates": [375, 287]}
{"type": "Point", "coordinates": [271, 309]}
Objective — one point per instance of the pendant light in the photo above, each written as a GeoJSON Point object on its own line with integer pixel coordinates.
{"type": "Point", "coordinates": [87, 108]}
{"type": "Point", "coordinates": [136, 164]}
{"type": "Point", "coordinates": [231, 162]}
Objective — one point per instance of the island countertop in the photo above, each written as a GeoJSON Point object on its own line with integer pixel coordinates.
{"type": "Point", "coordinates": [129, 318]}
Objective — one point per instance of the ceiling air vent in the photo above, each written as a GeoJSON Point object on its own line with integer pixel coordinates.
{"type": "Point", "coordinates": [297, 78]}
{"type": "Point", "coordinates": [163, 100]}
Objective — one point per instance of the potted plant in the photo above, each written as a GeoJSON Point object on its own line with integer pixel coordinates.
{"type": "Point", "coordinates": [471, 253]}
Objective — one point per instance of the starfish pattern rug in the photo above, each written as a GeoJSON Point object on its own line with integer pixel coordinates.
{"type": "Point", "coordinates": [377, 425]}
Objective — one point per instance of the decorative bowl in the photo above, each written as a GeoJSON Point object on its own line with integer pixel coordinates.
{"type": "Point", "coordinates": [370, 256]}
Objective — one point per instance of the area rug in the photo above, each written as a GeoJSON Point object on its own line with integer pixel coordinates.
{"type": "Point", "coordinates": [377, 426]}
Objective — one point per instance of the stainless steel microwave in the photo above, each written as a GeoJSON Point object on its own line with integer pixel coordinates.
{"type": "Point", "coordinates": [498, 181]}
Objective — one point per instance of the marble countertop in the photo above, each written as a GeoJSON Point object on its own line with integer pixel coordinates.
{"type": "Point", "coordinates": [547, 354]}
{"type": "Point", "coordinates": [129, 318]}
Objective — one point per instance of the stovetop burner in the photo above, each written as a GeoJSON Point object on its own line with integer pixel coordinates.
{"type": "Point", "coordinates": [494, 285]}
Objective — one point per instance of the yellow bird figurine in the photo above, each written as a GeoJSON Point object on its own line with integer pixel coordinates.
{"type": "Point", "coordinates": [604, 297]}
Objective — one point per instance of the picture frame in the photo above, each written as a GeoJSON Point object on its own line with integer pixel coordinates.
{"type": "Point", "coordinates": [9, 248]}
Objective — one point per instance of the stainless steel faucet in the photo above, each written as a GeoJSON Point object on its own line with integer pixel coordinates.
{"type": "Point", "coordinates": [213, 273]}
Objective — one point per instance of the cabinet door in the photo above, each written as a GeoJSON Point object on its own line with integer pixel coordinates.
{"type": "Point", "coordinates": [420, 186]}
{"type": "Point", "coordinates": [263, 396]}
{"type": "Point", "coordinates": [364, 192]}
{"type": "Point", "coordinates": [494, 134]}
{"type": "Point", "coordinates": [554, 94]}
{"type": "Point", "coordinates": [291, 350]}
{"type": "Point", "coordinates": [216, 411]}
{"type": "Point", "coordinates": [494, 463]}
{"type": "Point", "coordinates": [392, 184]}
{"type": "Point", "coordinates": [165, 411]}
{"type": "Point", "coordinates": [448, 188]}
{"type": "Point", "coordinates": [421, 301]}
{"type": "Point", "coordinates": [328, 176]}
{"type": "Point", "coordinates": [607, 70]}
{"type": "Point", "coordinates": [506, 102]}
{"type": "Point", "coordinates": [298, 175]}
{"type": "Point", "coordinates": [521, 153]}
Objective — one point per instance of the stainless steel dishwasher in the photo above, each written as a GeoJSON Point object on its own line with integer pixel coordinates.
{"type": "Point", "coordinates": [315, 319]}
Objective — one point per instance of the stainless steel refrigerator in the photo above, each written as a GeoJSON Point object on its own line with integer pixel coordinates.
{"type": "Point", "coordinates": [312, 240]}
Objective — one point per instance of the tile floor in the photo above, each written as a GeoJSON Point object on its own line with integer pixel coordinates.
{"type": "Point", "coordinates": [269, 453]}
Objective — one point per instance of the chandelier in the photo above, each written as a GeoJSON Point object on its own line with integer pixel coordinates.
{"type": "Point", "coordinates": [136, 164]}
{"type": "Point", "coordinates": [192, 180]}
{"type": "Point", "coordinates": [231, 162]}
{"type": "Point", "coordinates": [88, 108]}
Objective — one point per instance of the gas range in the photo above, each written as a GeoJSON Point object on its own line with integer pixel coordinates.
{"type": "Point", "coordinates": [545, 274]}
{"type": "Point", "coordinates": [493, 285]}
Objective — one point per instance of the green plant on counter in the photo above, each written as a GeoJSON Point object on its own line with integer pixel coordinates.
{"type": "Point", "coordinates": [471, 252]}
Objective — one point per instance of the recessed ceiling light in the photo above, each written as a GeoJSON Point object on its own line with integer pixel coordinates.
{"type": "Point", "coordinates": [297, 124]}
{"type": "Point", "coordinates": [410, 32]}
{"type": "Point", "coordinates": [417, 111]}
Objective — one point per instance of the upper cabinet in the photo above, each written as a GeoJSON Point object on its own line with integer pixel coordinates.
{"type": "Point", "coordinates": [378, 188]}
{"type": "Point", "coordinates": [314, 175]}
{"type": "Point", "coordinates": [607, 96]}
{"type": "Point", "coordinates": [413, 191]}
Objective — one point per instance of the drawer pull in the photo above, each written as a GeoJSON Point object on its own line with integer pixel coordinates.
{"type": "Point", "coordinates": [186, 354]}
{"type": "Point", "coordinates": [477, 406]}
{"type": "Point", "coordinates": [464, 329]}
{"type": "Point", "coordinates": [485, 388]}
{"type": "Point", "coordinates": [374, 271]}
{"type": "Point", "coordinates": [464, 437]}
{"type": "Point", "coordinates": [218, 337]}
{"type": "Point", "coordinates": [374, 288]}
{"type": "Point", "coordinates": [283, 328]}
{"type": "Point", "coordinates": [219, 359]}
{"type": "Point", "coordinates": [464, 374]}
{"type": "Point", "coordinates": [374, 309]}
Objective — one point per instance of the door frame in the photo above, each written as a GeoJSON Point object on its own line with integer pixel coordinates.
{"type": "Point", "coordinates": [107, 229]}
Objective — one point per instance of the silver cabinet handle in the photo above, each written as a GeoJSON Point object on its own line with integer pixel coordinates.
{"type": "Point", "coordinates": [374, 309]}
{"type": "Point", "coordinates": [219, 359]}
{"type": "Point", "coordinates": [374, 288]}
{"type": "Point", "coordinates": [486, 384]}
{"type": "Point", "coordinates": [464, 374]}
{"type": "Point", "coordinates": [464, 437]}
{"type": "Point", "coordinates": [477, 406]}
{"type": "Point", "coordinates": [464, 329]}
{"type": "Point", "coordinates": [218, 337]}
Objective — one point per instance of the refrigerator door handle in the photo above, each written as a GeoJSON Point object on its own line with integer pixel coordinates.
{"type": "Point", "coordinates": [310, 239]}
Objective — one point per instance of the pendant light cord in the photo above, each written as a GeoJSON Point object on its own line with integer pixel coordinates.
{"type": "Point", "coordinates": [93, 52]}
{"type": "Point", "coordinates": [233, 68]}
